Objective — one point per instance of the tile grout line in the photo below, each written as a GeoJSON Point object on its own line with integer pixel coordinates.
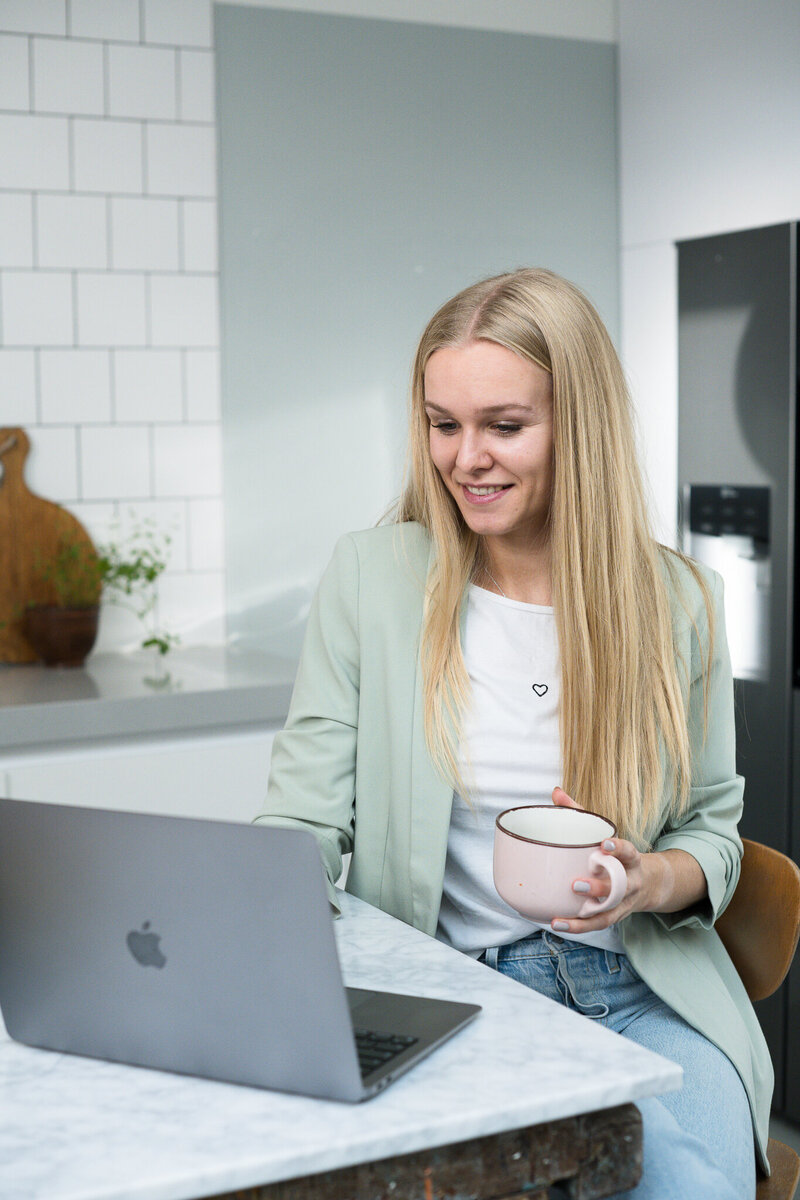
{"type": "Point", "coordinates": [148, 310]}
{"type": "Point", "coordinates": [37, 381]}
{"type": "Point", "coordinates": [109, 234]}
{"type": "Point", "coordinates": [34, 231]}
{"type": "Point", "coordinates": [106, 81]}
{"type": "Point", "coordinates": [101, 118]}
{"type": "Point", "coordinates": [112, 383]}
{"type": "Point", "coordinates": [30, 73]}
{"type": "Point", "coordinates": [79, 459]}
{"type": "Point", "coordinates": [184, 383]}
{"type": "Point", "coordinates": [31, 77]}
{"type": "Point", "coordinates": [70, 156]}
{"type": "Point", "coordinates": [182, 235]}
{"type": "Point", "coordinates": [75, 328]}
{"type": "Point", "coordinates": [151, 442]}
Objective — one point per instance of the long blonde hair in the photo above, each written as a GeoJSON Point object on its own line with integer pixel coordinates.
{"type": "Point", "coordinates": [621, 695]}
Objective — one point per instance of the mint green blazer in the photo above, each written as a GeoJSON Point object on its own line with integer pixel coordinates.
{"type": "Point", "coordinates": [352, 766]}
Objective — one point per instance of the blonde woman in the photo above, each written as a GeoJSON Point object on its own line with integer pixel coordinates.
{"type": "Point", "coordinates": [517, 636]}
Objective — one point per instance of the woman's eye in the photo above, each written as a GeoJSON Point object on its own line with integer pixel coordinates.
{"type": "Point", "coordinates": [507, 427]}
{"type": "Point", "coordinates": [444, 426]}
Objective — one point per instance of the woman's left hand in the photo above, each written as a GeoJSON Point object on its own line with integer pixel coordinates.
{"type": "Point", "coordinates": [657, 882]}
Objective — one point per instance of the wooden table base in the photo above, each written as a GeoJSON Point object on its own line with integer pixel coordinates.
{"type": "Point", "coordinates": [589, 1157]}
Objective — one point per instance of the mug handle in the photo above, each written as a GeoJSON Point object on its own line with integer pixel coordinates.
{"type": "Point", "coordinates": [618, 877]}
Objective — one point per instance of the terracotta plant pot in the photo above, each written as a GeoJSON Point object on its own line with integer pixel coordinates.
{"type": "Point", "coordinates": [62, 637]}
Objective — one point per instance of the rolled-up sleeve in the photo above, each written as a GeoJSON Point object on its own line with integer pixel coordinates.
{"type": "Point", "coordinates": [708, 828]}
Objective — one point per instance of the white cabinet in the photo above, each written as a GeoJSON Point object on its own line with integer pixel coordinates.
{"type": "Point", "coordinates": [220, 776]}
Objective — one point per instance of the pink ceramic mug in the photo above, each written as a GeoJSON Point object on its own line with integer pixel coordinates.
{"type": "Point", "coordinates": [539, 852]}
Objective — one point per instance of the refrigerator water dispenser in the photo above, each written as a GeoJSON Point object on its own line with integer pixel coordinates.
{"type": "Point", "coordinates": [727, 528]}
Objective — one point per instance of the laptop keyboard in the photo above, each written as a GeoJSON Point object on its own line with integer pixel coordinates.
{"type": "Point", "coordinates": [377, 1049]}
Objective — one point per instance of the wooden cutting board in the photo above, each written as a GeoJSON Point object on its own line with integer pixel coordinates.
{"type": "Point", "coordinates": [31, 530]}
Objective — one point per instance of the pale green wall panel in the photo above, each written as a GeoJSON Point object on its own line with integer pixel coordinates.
{"type": "Point", "coordinates": [368, 169]}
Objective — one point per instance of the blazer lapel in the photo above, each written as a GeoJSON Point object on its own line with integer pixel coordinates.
{"type": "Point", "coordinates": [430, 803]}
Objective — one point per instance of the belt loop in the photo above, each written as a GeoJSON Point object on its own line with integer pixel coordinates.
{"type": "Point", "coordinates": [612, 962]}
{"type": "Point", "coordinates": [489, 956]}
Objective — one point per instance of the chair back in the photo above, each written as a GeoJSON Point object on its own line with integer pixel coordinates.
{"type": "Point", "coordinates": [760, 926]}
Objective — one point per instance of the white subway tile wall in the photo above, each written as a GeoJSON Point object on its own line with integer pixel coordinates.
{"type": "Point", "coordinates": [109, 312]}
{"type": "Point", "coordinates": [15, 76]}
{"type": "Point", "coordinates": [199, 242]}
{"type": "Point", "coordinates": [181, 160]}
{"type": "Point", "coordinates": [196, 79]}
{"type": "Point", "coordinates": [42, 16]}
{"type": "Point", "coordinates": [67, 76]}
{"type": "Point", "coordinates": [187, 460]}
{"type": "Point", "coordinates": [142, 82]}
{"type": "Point", "coordinates": [71, 231]}
{"type": "Point", "coordinates": [148, 385]}
{"type": "Point", "coordinates": [203, 401]}
{"type": "Point", "coordinates": [178, 22]}
{"type": "Point", "coordinates": [111, 309]}
{"type": "Point", "coordinates": [107, 156]}
{"type": "Point", "coordinates": [144, 234]}
{"type": "Point", "coordinates": [116, 462]}
{"type": "Point", "coordinates": [75, 386]}
{"type": "Point", "coordinates": [37, 308]}
{"type": "Point", "coordinates": [16, 229]}
{"type": "Point", "coordinates": [185, 310]}
{"type": "Point", "coordinates": [110, 20]}
{"type": "Point", "coordinates": [18, 390]}
{"type": "Point", "coordinates": [34, 152]}
{"type": "Point", "coordinates": [52, 467]}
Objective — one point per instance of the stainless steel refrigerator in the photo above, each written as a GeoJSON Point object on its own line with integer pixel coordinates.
{"type": "Point", "coordinates": [737, 455]}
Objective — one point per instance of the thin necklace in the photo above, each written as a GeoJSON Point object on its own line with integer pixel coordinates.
{"type": "Point", "coordinates": [486, 571]}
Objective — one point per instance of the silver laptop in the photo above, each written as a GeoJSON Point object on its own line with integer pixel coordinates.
{"type": "Point", "coordinates": [194, 946]}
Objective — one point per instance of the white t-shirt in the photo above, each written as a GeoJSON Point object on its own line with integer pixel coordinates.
{"type": "Point", "coordinates": [510, 752]}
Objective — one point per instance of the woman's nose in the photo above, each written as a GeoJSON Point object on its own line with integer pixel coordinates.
{"type": "Point", "coordinates": [473, 453]}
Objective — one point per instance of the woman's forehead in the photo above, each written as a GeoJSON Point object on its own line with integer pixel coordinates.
{"type": "Point", "coordinates": [487, 372]}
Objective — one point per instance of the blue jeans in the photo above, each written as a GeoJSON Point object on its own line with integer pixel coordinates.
{"type": "Point", "coordinates": [698, 1142]}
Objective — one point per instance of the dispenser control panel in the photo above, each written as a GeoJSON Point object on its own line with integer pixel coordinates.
{"type": "Point", "coordinates": [742, 511]}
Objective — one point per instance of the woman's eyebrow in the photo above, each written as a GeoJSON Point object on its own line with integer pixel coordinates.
{"type": "Point", "coordinates": [488, 409]}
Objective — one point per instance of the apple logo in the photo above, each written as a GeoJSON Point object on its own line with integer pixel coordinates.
{"type": "Point", "coordinates": [144, 947]}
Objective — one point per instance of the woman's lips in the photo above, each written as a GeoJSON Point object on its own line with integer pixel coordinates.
{"type": "Point", "coordinates": [483, 496]}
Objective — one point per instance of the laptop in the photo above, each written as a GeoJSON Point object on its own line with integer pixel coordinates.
{"type": "Point", "coordinates": [202, 947]}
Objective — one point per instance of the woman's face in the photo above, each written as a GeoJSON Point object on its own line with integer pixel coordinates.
{"type": "Point", "coordinates": [491, 438]}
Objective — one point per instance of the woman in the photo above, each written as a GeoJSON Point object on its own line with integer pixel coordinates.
{"type": "Point", "coordinates": [517, 636]}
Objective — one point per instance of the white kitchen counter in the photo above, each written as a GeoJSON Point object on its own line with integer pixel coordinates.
{"type": "Point", "coordinates": [77, 1129]}
{"type": "Point", "coordinates": [114, 696]}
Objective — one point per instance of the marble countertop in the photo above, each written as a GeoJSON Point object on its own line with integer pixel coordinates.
{"type": "Point", "coordinates": [77, 1129]}
{"type": "Point", "coordinates": [128, 695]}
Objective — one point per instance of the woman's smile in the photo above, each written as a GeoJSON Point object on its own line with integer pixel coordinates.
{"type": "Point", "coordinates": [484, 495]}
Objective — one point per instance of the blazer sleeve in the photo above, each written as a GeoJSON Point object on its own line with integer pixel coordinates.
{"type": "Point", "coordinates": [312, 775]}
{"type": "Point", "coordinates": [708, 828]}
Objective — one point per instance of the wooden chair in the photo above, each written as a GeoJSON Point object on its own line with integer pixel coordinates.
{"type": "Point", "coordinates": [759, 929]}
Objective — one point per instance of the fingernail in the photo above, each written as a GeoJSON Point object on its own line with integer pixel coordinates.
{"type": "Point", "coordinates": [580, 885]}
{"type": "Point", "coordinates": [609, 846]}
{"type": "Point", "coordinates": [560, 925]}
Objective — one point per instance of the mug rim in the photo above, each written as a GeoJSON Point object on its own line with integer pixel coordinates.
{"type": "Point", "coordinates": [541, 841]}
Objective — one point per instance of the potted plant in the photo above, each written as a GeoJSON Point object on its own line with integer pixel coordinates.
{"type": "Point", "coordinates": [78, 577]}
{"type": "Point", "coordinates": [63, 630]}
